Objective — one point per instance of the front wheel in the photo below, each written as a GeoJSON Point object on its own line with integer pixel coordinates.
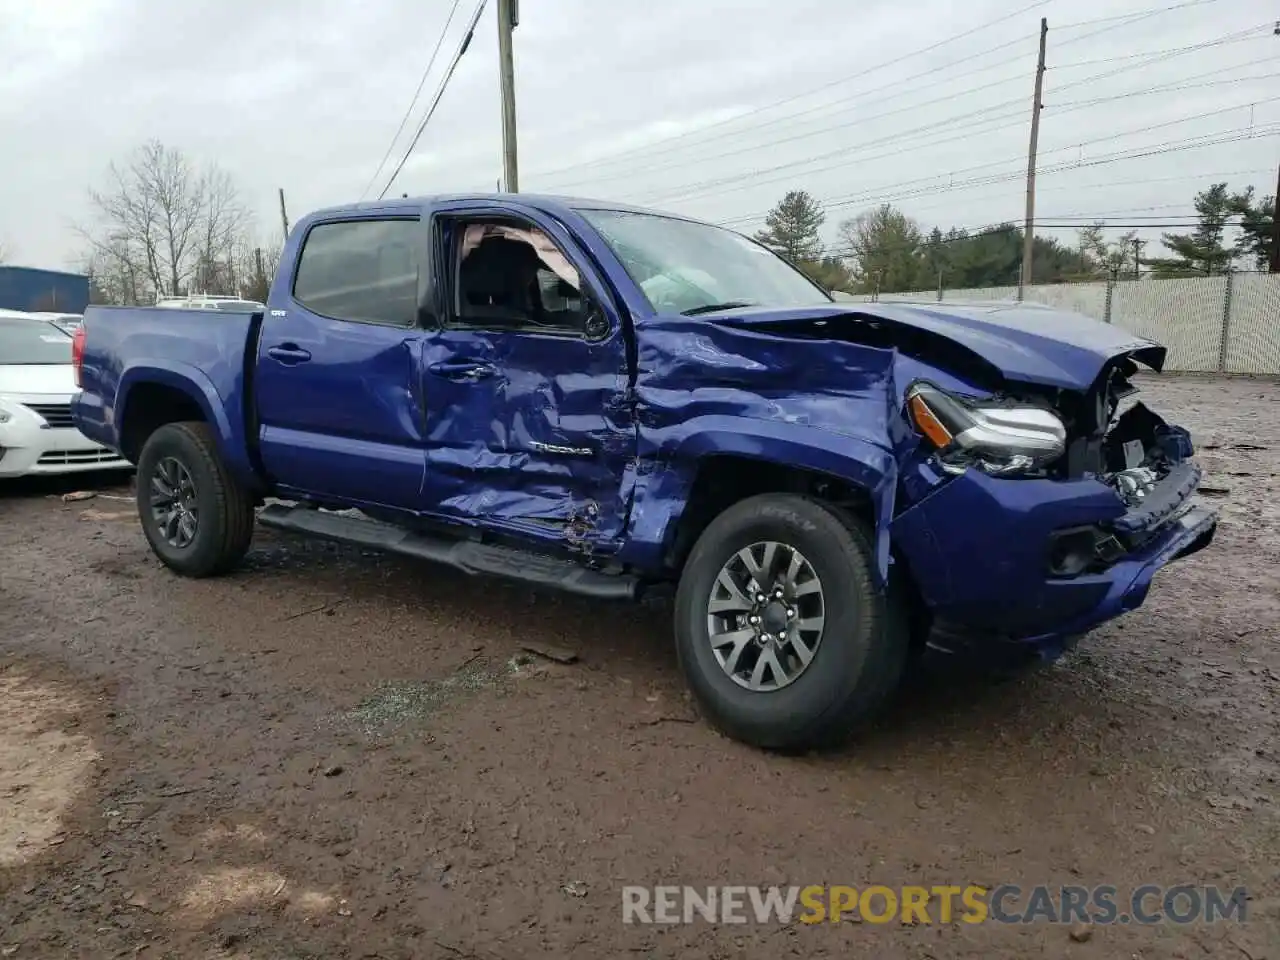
{"type": "Point", "coordinates": [197, 518]}
{"type": "Point", "coordinates": [781, 631]}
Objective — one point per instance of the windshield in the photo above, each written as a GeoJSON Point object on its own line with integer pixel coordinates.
{"type": "Point", "coordinates": [32, 341]}
{"type": "Point", "coordinates": [682, 265]}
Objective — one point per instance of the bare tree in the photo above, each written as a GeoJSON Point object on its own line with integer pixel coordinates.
{"type": "Point", "coordinates": [255, 266]}
{"type": "Point", "coordinates": [223, 230]}
{"type": "Point", "coordinates": [4, 252]}
{"type": "Point", "coordinates": [164, 226]}
{"type": "Point", "coordinates": [116, 273]}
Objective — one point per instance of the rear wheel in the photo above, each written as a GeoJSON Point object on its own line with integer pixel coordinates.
{"type": "Point", "coordinates": [197, 518]}
{"type": "Point", "coordinates": [782, 634]}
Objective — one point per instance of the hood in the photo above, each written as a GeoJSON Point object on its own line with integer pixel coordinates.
{"type": "Point", "coordinates": [1022, 342]}
{"type": "Point", "coordinates": [29, 380]}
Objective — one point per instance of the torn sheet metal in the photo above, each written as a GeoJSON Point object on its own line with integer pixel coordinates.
{"type": "Point", "coordinates": [705, 388]}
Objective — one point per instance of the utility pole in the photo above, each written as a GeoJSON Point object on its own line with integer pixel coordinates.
{"type": "Point", "coordinates": [1028, 232]}
{"type": "Point", "coordinates": [1275, 215]}
{"type": "Point", "coordinates": [284, 217]}
{"type": "Point", "coordinates": [508, 17]}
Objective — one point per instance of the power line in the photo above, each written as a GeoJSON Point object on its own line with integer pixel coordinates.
{"type": "Point", "coordinates": [1103, 214]}
{"type": "Point", "coordinates": [734, 183]}
{"type": "Point", "coordinates": [431, 62]}
{"type": "Point", "coordinates": [625, 155]}
{"type": "Point", "coordinates": [724, 185]}
{"type": "Point", "coordinates": [808, 93]}
{"type": "Point", "coordinates": [1239, 37]}
{"type": "Point", "coordinates": [444, 83]}
{"type": "Point", "coordinates": [895, 192]}
{"type": "Point", "coordinates": [1069, 105]}
{"type": "Point", "coordinates": [1018, 104]}
{"type": "Point", "coordinates": [1204, 177]}
{"type": "Point", "coordinates": [1172, 147]}
{"type": "Point", "coordinates": [1138, 14]}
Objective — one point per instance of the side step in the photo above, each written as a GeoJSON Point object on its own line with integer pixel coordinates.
{"type": "Point", "coordinates": [465, 555]}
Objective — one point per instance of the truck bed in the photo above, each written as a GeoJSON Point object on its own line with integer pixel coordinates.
{"type": "Point", "coordinates": [205, 354]}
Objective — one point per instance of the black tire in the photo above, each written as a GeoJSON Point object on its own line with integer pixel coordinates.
{"type": "Point", "coordinates": [224, 525]}
{"type": "Point", "coordinates": [865, 641]}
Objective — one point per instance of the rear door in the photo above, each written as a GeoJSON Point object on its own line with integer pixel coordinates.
{"type": "Point", "coordinates": [338, 382]}
{"type": "Point", "coordinates": [526, 382]}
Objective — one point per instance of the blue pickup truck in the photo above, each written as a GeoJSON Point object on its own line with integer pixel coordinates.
{"type": "Point", "coordinates": [609, 401]}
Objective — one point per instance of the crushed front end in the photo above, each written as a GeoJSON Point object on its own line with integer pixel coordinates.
{"type": "Point", "coordinates": [1032, 515]}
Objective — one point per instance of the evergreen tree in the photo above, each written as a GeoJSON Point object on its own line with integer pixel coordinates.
{"type": "Point", "coordinates": [1203, 251]}
{"type": "Point", "coordinates": [791, 228]}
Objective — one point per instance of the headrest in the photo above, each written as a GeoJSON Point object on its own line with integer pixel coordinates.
{"type": "Point", "coordinates": [499, 266]}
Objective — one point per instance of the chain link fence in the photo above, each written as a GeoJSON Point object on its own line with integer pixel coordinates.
{"type": "Point", "coordinates": [1225, 324]}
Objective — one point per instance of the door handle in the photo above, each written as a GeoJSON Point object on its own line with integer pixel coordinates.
{"type": "Point", "coordinates": [289, 353]}
{"type": "Point", "coordinates": [466, 371]}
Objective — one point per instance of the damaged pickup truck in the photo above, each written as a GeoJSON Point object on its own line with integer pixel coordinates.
{"type": "Point", "coordinates": [609, 401]}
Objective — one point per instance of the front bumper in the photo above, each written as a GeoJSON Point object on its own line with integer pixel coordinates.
{"type": "Point", "coordinates": [30, 449]}
{"type": "Point", "coordinates": [981, 551]}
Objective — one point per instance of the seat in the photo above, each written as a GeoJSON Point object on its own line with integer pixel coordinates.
{"type": "Point", "coordinates": [498, 282]}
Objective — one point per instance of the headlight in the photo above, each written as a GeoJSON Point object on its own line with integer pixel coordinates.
{"type": "Point", "coordinates": [1002, 440]}
{"type": "Point", "coordinates": [5, 414]}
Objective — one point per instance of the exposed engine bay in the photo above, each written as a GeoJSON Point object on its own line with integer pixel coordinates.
{"type": "Point", "coordinates": [1109, 435]}
{"type": "Point", "coordinates": [1139, 448]}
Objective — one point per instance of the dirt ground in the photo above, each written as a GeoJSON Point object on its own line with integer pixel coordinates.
{"type": "Point", "coordinates": [340, 755]}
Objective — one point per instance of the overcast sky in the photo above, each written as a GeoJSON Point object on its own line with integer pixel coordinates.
{"type": "Point", "coordinates": [306, 94]}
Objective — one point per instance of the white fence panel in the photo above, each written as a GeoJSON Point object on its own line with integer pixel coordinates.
{"type": "Point", "coordinates": [1184, 315]}
{"type": "Point", "coordinates": [1089, 299]}
{"type": "Point", "coordinates": [981, 293]}
{"type": "Point", "coordinates": [1253, 333]}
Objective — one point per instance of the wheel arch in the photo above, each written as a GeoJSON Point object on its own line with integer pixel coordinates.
{"type": "Point", "coordinates": [153, 394]}
{"type": "Point", "coordinates": [713, 469]}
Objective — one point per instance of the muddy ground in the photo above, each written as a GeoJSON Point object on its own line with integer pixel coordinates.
{"type": "Point", "coordinates": [335, 754]}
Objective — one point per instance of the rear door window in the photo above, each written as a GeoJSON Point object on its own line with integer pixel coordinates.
{"type": "Point", "coordinates": [364, 271]}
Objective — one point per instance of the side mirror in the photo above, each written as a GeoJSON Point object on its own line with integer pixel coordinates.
{"type": "Point", "coordinates": [596, 325]}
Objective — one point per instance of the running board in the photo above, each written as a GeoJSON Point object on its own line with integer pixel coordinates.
{"type": "Point", "coordinates": [465, 555]}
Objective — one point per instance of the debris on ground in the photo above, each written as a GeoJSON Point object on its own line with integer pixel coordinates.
{"type": "Point", "coordinates": [398, 703]}
{"type": "Point", "coordinates": [558, 654]}
{"type": "Point", "coordinates": [77, 495]}
{"type": "Point", "coordinates": [100, 515]}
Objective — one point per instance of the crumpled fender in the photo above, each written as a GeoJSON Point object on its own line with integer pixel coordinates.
{"type": "Point", "coordinates": [705, 388]}
{"type": "Point", "coordinates": [662, 493]}
{"type": "Point", "coordinates": [193, 382]}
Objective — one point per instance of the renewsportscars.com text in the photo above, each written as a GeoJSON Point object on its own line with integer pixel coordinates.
{"type": "Point", "coordinates": [1007, 903]}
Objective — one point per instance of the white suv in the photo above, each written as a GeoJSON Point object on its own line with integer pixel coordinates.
{"type": "Point", "coordinates": [197, 302]}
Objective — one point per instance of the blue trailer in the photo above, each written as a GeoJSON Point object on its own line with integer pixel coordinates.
{"type": "Point", "coordinates": [30, 289]}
